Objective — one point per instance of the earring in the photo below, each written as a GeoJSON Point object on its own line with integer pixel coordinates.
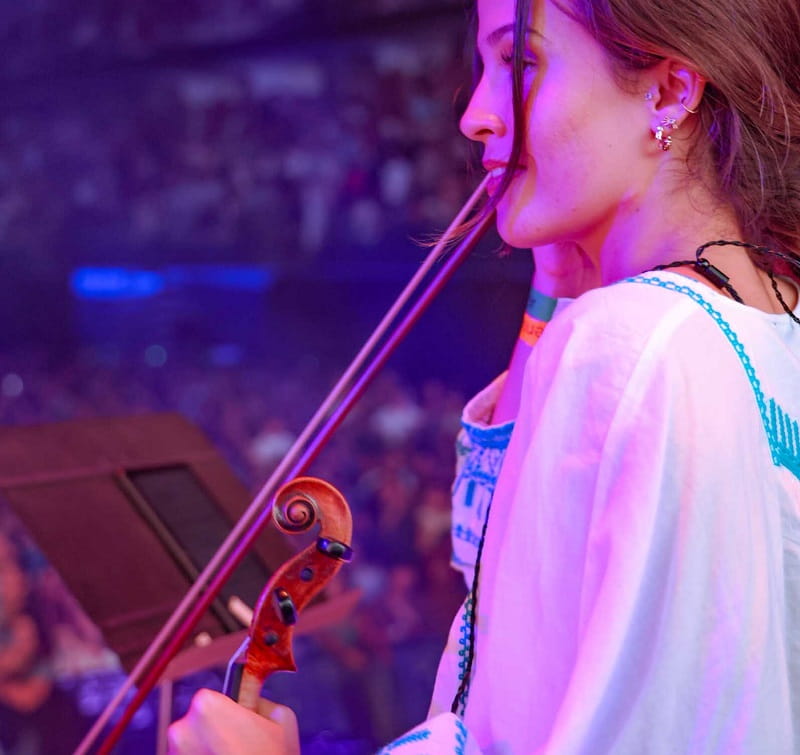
{"type": "Point", "coordinates": [688, 110]}
{"type": "Point", "coordinates": [649, 96]}
{"type": "Point", "coordinates": [662, 137]}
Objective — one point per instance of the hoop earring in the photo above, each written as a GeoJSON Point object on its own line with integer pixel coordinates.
{"type": "Point", "coordinates": [689, 110]}
{"type": "Point", "coordinates": [662, 137]}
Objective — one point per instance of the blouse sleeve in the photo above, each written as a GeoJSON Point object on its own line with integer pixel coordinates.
{"type": "Point", "coordinates": [480, 448]}
{"type": "Point", "coordinates": [627, 604]}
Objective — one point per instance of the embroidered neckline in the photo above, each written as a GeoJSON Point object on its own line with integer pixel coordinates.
{"type": "Point", "coordinates": [783, 432]}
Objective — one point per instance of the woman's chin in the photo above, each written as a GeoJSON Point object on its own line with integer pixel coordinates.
{"type": "Point", "coordinates": [512, 232]}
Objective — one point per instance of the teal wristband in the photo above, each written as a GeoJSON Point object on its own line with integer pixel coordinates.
{"type": "Point", "coordinates": [540, 306]}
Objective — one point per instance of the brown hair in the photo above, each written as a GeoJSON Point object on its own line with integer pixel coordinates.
{"type": "Point", "coordinates": [749, 53]}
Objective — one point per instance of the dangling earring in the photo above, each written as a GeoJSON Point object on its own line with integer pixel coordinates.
{"type": "Point", "coordinates": [662, 137]}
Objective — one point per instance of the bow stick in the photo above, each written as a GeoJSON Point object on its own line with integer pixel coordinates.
{"type": "Point", "coordinates": [327, 418]}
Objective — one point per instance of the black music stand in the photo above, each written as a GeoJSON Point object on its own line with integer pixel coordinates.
{"type": "Point", "coordinates": [128, 510]}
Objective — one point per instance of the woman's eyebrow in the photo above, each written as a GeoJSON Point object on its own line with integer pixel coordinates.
{"type": "Point", "coordinates": [495, 36]}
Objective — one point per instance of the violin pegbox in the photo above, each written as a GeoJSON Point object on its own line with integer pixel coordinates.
{"type": "Point", "coordinates": [298, 506]}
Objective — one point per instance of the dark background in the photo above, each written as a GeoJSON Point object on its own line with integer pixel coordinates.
{"type": "Point", "coordinates": [205, 207]}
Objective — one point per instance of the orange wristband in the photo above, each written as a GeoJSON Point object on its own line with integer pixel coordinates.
{"type": "Point", "coordinates": [531, 329]}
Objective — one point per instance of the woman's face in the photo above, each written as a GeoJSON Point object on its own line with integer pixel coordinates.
{"type": "Point", "coordinates": [583, 160]}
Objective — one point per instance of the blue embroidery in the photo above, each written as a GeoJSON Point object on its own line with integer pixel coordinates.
{"type": "Point", "coordinates": [456, 561]}
{"type": "Point", "coordinates": [414, 736]}
{"type": "Point", "coordinates": [469, 495]}
{"type": "Point", "coordinates": [482, 460]}
{"type": "Point", "coordinates": [467, 535]}
{"type": "Point", "coordinates": [782, 432]}
{"type": "Point", "coordinates": [424, 734]}
{"type": "Point", "coordinates": [787, 439]}
{"type": "Point", "coordinates": [489, 437]}
{"type": "Point", "coordinates": [461, 738]}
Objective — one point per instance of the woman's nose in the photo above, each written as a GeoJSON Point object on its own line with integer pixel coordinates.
{"type": "Point", "coordinates": [480, 119]}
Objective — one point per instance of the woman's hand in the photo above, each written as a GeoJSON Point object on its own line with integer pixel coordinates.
{"type": "Point", "coordinates": [564, 270]}
{"type": "Point", "coordinates": [216, 725]}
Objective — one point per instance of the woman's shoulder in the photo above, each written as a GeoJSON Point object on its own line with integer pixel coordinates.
{"type": "Point", "coordinates": [635, 302]}
{"type": "Point", "coordinates": [636, 309]}
{"type": "Point", "coordinates": [672, 323]}
{"type": "Point", "coordinates": [626, 317]}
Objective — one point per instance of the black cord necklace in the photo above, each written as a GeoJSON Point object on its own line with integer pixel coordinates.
{"type": "Point", "coordinates": [459, 703]}
{"type": "Point", "coordinates": [717, 278]}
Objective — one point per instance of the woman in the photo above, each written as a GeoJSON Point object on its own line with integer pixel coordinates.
{"type": "Point", "coordinates": [638, 585]}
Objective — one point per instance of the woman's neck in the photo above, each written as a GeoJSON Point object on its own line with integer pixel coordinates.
{"type": "Point", "coordinates": [665, 227]}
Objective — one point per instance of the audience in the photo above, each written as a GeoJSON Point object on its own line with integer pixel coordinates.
{"type": "Point", "coordinates": [160, 133]}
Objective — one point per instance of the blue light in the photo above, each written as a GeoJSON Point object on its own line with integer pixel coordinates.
{"type": "Point", "coordinates": [110, 283]}
{"type": "Point", "coordinates": [116, 283]}
{"type": "Point", "coordinates": [236, 277]}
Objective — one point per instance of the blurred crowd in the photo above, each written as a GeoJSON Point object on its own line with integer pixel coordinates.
{"type": "Point", "coordinates": [270, 158]}
{"type": "Point", "coordinates": [46, 30]}
{"type": "Point", "coordinates": [294, 134]}
{"type": "Point", "coordinates": [393, 458]}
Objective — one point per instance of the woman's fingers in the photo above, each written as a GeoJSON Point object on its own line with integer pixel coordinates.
{"type": "Point", "coordinates": [286, 720]}
{"type": "Point", "coordinates": [215, 725]}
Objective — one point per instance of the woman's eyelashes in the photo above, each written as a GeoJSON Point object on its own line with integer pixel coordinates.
{"type": "Point", "coordinates": [528, 61]}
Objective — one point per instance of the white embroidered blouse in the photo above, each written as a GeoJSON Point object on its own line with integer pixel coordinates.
{"type": "Point", "coordinates": [640, 581]}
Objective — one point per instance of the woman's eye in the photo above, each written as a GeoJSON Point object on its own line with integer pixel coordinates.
{"type": "Point", "coordinates": [508, 60]}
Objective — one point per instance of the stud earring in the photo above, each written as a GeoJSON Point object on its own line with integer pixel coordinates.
{"type": "Point", "coordinates": [663, 138]}
{"type": "Point", "coordinates": [649, 96]}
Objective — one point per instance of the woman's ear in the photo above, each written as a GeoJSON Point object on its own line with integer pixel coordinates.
{"type": "Point", "coordinates": [674, 91]}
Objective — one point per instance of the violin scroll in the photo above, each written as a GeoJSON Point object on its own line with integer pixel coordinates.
{"type": "Point", "coordinates": [297, 514]}
{"type": "Point", "coordinates": [268, 647]}
{"type": "Point", "coordinates": [304, 500]}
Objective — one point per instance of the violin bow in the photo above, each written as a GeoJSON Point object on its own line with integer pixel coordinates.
{"type": "Point", "coordinates": [342, 397]}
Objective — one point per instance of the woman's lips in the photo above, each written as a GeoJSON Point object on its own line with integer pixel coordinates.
{"type": "Point", "coordinates": [496, 177]}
